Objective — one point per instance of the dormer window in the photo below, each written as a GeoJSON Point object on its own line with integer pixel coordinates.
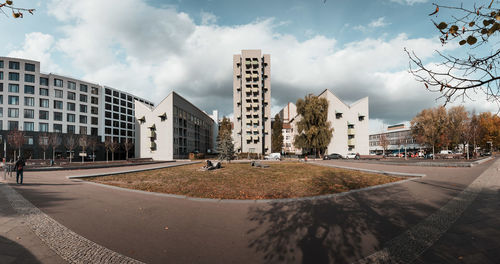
{"type": "Point", "coordinates": [338, 115]}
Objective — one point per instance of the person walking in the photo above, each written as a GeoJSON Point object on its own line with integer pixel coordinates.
{"type": "Point", "coordinates": [19, 170]}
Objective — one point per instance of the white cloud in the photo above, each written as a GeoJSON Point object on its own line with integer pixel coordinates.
{"type": "Point", "coordinates": [37, 46]}
{"type": "Point", "coordinates": [409, 2]}
{"type": "Point", "coordinates": [151, 51]}
{"type": "Point", "coordinates": [208, 18]}
{"type": "Point", "coordinates": [379, 22]}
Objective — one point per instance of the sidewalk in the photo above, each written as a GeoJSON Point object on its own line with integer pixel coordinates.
{"type": "Point", "coordinates": [18, 244]}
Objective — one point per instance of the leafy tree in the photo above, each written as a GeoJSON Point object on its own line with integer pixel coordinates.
{"type": "Point", "coordinates": [224, 127]}
{"type": "Point", "coordinates": [457, 126]}
{"type": "Point", "coordinates": [457, 77]}
{"type": "Point", "coordinates": [277, 134]}
{"type": "Point", "coordinates": [70, 144]}
{"type": "Point", "coordinates": [17, 12]}
{"type": "Point", "coordinates": [489, 129]}
{"type": "Point", "coordinates": [225, 146]}
{"type": "Point", "coordinates": [314, 130]}
{"type": "Point", "coordinates": [429, 127]}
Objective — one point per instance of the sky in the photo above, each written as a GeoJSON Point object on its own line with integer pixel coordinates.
{"type": "Point", "coordinates": [149, 48]}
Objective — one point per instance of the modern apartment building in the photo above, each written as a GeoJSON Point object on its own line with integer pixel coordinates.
{"type": "Point", "coordinates": [173, 129]}
{"type": "Point", "coordinates": [288, 116]}
{"type": "Point", "coordinates": [36, 103]}
{"type": "Point", "coordinates": [252, 102]}
{"type": "Point", "coordinates": [350, 125]}
{"type": "Point", "coordinates": [398, 138]}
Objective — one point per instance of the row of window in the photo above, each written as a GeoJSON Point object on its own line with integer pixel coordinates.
{"type": "Point", "coordinates": [44, 115]}
{"type": "Point", "coordinates": [118, 132]}
{"type": "Point", "coordinates": [14, 76]}
{"type": "Point", "coordinates": [45, 103]}
{"type": "Point", "coordinates": [15, 65]}
{"type": "Point", "coordinates": [71, 85]}
{"type": "Point", "coordinates": [29, 89]}
{"type": "Point", "coordinates": [44, 127]}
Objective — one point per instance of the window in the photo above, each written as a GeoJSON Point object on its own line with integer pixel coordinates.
{"type": "Point", "coordinates": [94, 90]}
{"type": "Point", "coordinates": [71, 85]}
{"type": "Point", "coordinates": [83, 88]}
{"type": "Point", "coordinates": [44, 103]}
{"type": "Point", "coordinates": [58, 82]}
{"type": "Point", "coordinates": [29, 67]}
{"type": "Point", "coordinates": [44, 81]}
{"type": "Point", "coordinates": [1, 63]}
{"type": "Point", "coordinates": [43, 127]}
{"type": "Point", "coordinates": [71, 96]}
{"type": "Point", "coordinates": [58, 93]}
{"type": "Point", "coordinates": [29, 126]}
{"type": "Point", "coordinates": [13, 88]}
{"type": "Point", "coordinates": [70, 129]}
{"type": "Point", "coordinates": [83, 98]}
{"type": "Point", "coordinates": [58, 116]}
{"type": "Point", "coordinates": [83, 130]}
{"type": "Point", "coordinates": [1, 112]}
{"type": "Point", "coordinates": [44, 115]}
{"type": "Point", "coordinates": [83, 108]}
{"type": "Point", "coordinates": [70, 118]}
{"type": "Point", "coordinates": [14, 65]}
{"type": "Point", "coordinates": [107, 122]}
{"type": "Point", "coordinates": [83, 119]}
{"type": "Point", "coordinates": [13, 125]}
{"type": "Point", "coordinates": [94, 121]}
{"type": "Point", "coordinates": [93, 131]}
{"type": "Point", "coordinates": [1, 99]}
{"type": "Point", "coordinates": [44, 91]}
{"type": "Point", "coordinates": [58, 104]}
{"type": "Point", "coordinates": [13, 112]}
{"type": "Point", "coordinates": [108, 99]}
{"type": "Point", "coordinates": [108, 91]}
{"type": "Point", "coordinates": [57, 128]}
{"type": "Point", "coordinates": [94, 100]}
{"type": "Point", "coordinates": [1, 75]}
{"type": "Point", "coordinates": [13, 100]}
{"type": "Point", "coordinates": [29, 101]}
{"type": "Point", "coordinates": [94, 110]}
{"type": "Point", "coordinates": [70, 106]}
{"type": "Point", "coordinates": [29, 113]}
{"type": "Point", "coordinates": [29, 89]}
{"type": "Point", "coordinates": [13, 76]}
{"type": "Point", "coordinates": [29, 78]}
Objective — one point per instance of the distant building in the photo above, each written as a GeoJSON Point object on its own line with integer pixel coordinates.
{"type": "Point", "coordinates": [172, 129]}
{"type": "Point", "coordinates": [289, 117]}
{"type": "Point", "coordinates": [399, 137]}
{"type": "Point", "coordinates": [252, 102]}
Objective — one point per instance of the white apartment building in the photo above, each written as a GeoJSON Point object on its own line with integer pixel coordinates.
{"type": "Point", "coordinates": [36, 102]}
{"type": "Point", "coordinates": [252, 102]}
{"type": "Point", "coordinates": [288, 116]}
{"type": "Point", "coordinates": [398, 137]}
{"type": "Point", "coordinates": [350, 125]}
{"type": "Point", "coordinates": [172, 129]}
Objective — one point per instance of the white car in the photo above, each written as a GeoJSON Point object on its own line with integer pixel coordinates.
{"type": "Point", "coordinates": [273, 156]}
{"type": "Point", "coordinates": [351, 156]}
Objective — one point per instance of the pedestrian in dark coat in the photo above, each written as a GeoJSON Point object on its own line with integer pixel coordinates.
{"type": "Point", "coordinates": [19, 170]}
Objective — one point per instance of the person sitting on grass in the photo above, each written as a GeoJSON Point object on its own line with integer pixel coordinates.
{"type": "Point", "coordinates": [19, 170]}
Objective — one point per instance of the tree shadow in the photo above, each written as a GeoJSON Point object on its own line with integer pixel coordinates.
{"type": "Point", "coordinates": [333, 230]}
{"type": "Point", "coordinates": [12, 252]}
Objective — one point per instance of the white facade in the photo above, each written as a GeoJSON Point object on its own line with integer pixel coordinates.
{"type": "Point", "coordinates": [172, 129]}
{"type": "Point", "coordinates": [350, 124]}
{"type": "Point", "coordinates": [399, 138]}
{"type": "Point", "coordinates": [289, 118]}
{"type": "Point", "coordinates": [34, 101]}
{"type": "Point", "coordinates": [252, 102]}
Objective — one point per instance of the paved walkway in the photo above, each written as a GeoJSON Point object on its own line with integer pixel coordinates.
{"type": "Point", "coordinates": [156, 229]}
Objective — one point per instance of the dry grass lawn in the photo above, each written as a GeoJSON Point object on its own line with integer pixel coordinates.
{"type": "Point", "coordinates": [241, 181]}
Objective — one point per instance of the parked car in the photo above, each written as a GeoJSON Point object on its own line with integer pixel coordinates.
{"type": "Point", "coordinates": [352, 156]}
{"type": "Point", "coordinates": [273, 156]}
{"type": "Point", "coordinates": [445, 152]}
{"type": "Point", "coordinates": [332, 156]}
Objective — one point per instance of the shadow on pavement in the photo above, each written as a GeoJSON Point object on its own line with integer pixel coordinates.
{"type": "Point", "coordinates": [337, 230]}
{"type": "Point", "coordinates": [12, 252]}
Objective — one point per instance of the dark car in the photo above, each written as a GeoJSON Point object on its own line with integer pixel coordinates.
{"type": "Point", "coordinates": [332, 156]}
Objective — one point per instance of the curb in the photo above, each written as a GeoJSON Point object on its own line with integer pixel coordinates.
{"type": "Point", "coordinates": [95, 167]}
{"type": "Point", "coordinates": [130, 171]}
{"type": "Point", "coordinates": [389, 173]}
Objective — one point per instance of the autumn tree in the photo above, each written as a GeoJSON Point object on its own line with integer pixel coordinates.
{"type": "Point", "coordinates": [127, 145]}
{"type": "Point", "coordinates": [384, 142]}
{"type": "Point", "coordinates": [17, 12]}
{"type": "Point", "coordinates": [429, 127]}
{"type": "Point", "coordinates": [277, 134]}
{"type": "Point", "coordinates": [224, 127]}
{"type": "Point", "coordinates": [473, 132]}
{"type": "Point", "coordinates": [43, 142]}
{"type": "Point", "coordinates": [70, 144]}
{"type": "Point", "coordinates": [477, 70]}
{"type": "Point", "coordinates": [314, 130]}
{"type": "Point", "coordinates": [457, 126]}
{"type": "Point", "coordinates": [54, 141]}
{"type": "Point", "coordinates": [83, 142]}
{"type": "Point", "coordinates": [489, 130]}
{"type": "Point", "coordinates": [15, 138]}
{"type": "Point", "coordinates": [225, 146]}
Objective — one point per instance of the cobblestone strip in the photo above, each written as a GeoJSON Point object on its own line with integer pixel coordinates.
{"type": "Point", "coordinates": [408, 246]}
{"type": "Point", "coordinates": [66, 243]}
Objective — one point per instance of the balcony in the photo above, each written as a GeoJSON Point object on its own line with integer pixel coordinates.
{"type": "Point", "coordinates": [153, 134]}
{"type": "Point", "coordinates": [255, 89]}
{"type": "Point", "coordinates": [255, 76]}
{"type": "Point", "coordinates": [351, 142]}
{"type": "Point", "coordinates": [248, 90]}
{"type": "Point", "coordinates": [153, 146]}
{"type": "Point", "coordinates": [255, 63]}
{"type": "Point", "coordinates": [351, 131]}
{"type": "Point", "coordinates": [248, 76]}
{"type": "Point", "coordinates": [249, 138]}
